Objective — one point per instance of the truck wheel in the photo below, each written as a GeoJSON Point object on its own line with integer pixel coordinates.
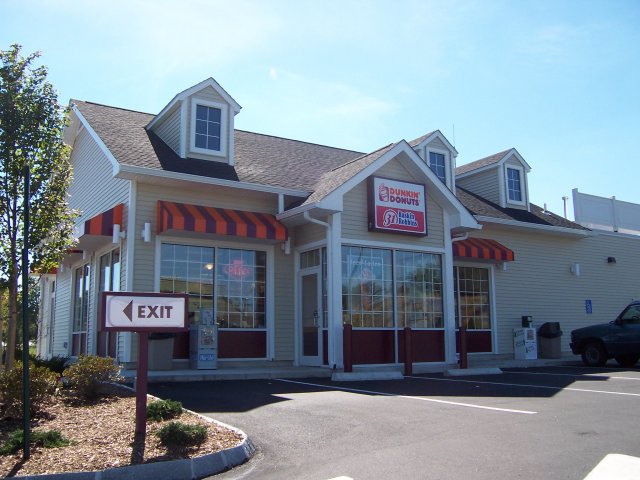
{"type": "Point", "coordinates": [627, 360]}
{"type": "Point", "coordinates": [594, 355]}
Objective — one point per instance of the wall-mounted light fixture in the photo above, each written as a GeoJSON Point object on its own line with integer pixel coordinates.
{"type": "Point", "coordinates": [117, 234]}
{"type": "Point", "coordinates": [611, 259]}
{"type": "Point", "coordinates": [146, 232]}
{"type": "Point", "coordinates": [574, 268]}
{"type": "Point", "coordinates": [286, 246]}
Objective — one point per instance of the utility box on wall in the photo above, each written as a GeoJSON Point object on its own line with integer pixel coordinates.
{"type": "Point", "coordinates": [525, 345]}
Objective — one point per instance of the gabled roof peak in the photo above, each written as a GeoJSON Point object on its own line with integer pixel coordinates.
{"type": "Point", "coordinates": [209, 82]}
{"type": "Point", "coordinates": [491, 161]}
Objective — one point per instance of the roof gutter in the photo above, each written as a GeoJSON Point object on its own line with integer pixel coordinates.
{"type": "Point", "coordinates": [532, 226]}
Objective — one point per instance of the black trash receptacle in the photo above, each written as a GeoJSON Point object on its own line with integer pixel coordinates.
{"type": "Point", "coordinates": [550, 340]}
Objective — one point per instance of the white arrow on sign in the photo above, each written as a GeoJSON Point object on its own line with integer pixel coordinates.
{"type": "Point", "coordinates": [131, 311]}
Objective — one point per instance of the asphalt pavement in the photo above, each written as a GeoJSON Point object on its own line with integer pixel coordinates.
{"type": "Point", "coordinates": [536, 423]}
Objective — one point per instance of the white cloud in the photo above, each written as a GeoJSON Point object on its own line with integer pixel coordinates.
{"type": "Point", "coordinates": [273, 73]}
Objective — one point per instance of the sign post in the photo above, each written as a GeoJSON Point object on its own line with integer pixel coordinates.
{"type": "Point", "coordinates": [143, 313]}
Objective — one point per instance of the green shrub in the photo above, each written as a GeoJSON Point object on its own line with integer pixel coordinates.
{"type": "Point", "coordinates": [55, 364]}
{"type": "Point", "coordinates": [178, 434]}
{"type": "Point", "coordinates": [163, 410]}
{"type": "Point", "coordinates": [88, 374]}
{"type": "Point", "coordinates": [42, 384]}
{"type": "Point", "coordinates": [47, 439]}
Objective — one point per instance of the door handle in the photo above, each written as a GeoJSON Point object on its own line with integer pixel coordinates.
{"type": "Point", "coordinates": [315, 318]}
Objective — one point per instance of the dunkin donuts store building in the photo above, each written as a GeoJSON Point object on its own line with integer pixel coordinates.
{"type": "Point", "coordinates": [283, 243]}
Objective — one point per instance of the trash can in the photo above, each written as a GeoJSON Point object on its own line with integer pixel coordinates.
{"type": "Point", "coordinates": [550, 340]}
{"type": "Point", "coordinates": [161, 351]}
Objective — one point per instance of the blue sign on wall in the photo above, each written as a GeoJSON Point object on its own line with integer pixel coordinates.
{"type": "Point", "coordinates": [588, 306]}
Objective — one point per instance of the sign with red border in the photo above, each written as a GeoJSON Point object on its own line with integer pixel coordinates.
{"type": "Point", "coordinates": [144, 312]}
{"type": "Point", "coordinates": [396, 206]}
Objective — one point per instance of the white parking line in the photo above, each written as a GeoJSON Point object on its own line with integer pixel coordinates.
{"type": "Point", "coordinates": [594, 375]}
{"type": "Point", "coordinates": [422, 399]}
{"type": "Point", "coordinates": [526, 385]}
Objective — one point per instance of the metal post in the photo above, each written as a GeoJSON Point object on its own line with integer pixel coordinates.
{"type": "Point", "coordinates": [141, 384]}
{"type": "Point", "coordinates": [346, 346]}
{"type": "Point", "coordinates": [408, 354]}
{"type": "Point", "coordinates": [463, 346]}
{"type": "Point", "coordinates": [25, 321]}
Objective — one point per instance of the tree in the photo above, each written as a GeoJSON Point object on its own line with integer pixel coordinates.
{"type": "Point", "coordinates": [31, 130]}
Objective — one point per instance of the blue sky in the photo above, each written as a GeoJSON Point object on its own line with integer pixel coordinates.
{"type": "Point", "coordinates": [558, 80]}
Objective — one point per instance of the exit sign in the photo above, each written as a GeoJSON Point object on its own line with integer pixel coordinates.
{"type": "Point", "coordinates": [144, 312]}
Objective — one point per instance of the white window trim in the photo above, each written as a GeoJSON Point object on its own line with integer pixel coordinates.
{"type": "Point", "coordinates": [447, 162]}
{"type": "Point", "coordinates": [523, 192]}
{"type": "Point", "coordinates": [224, 115]}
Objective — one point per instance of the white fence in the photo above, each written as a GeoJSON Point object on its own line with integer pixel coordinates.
{"type": "Point", "coordinates": [600, 213]}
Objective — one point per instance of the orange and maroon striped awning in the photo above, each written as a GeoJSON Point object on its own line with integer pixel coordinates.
{"type": "Point", "coordinates": [221, 221]}
{"type": "Point", "coordinates": [102, 224]}
{"type": "Point", "coordinates": [482, 248]}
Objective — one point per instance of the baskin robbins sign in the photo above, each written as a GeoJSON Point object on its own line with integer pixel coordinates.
{"type": "Point", "coordinates": [397, 207]}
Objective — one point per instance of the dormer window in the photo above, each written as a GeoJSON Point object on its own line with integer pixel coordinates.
{"type": "Point", "coordinates": [208, 127]}
{"type": "Point", "coordinates": [514, 185]}
{"type": "Point", "coordinates": [438, 165]}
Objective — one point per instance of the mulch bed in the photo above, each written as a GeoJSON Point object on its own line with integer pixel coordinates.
{"type": "Point", "coordinates": [102, 436]}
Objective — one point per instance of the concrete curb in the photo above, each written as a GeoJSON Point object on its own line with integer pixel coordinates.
{"type": "Point", "coordinates": [363, 376]}
{"type": "Point", "coordinates": [464, 372]}
{"type": "Point", "coordinates": [188, 468]}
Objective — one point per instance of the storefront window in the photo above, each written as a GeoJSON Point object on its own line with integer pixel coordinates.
{"type": "Point", "coordinates": [81, 277]}
{"type": "Point", "coordinates": [108, 281]}
{"type": "Point", "coordinates": [419, 290]}
{"type": "Point", "coordinates": [472, 297]}
{"type": "Point", "coordinates": [189, 269]}
{"type": "Point", "coordinates": [367, 287]}
{"type": "Point", "coordinates": [240, 287]}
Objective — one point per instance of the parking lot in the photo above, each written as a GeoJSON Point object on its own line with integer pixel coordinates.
{"type": "Point", "coordinates": [551, 422]}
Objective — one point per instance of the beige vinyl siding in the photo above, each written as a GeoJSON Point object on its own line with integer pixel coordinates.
{"type": "Point", "coordinates": [169, 129]}
{"type": "Point", "coordinates": [355, 218]}
{"type": "Point", "coordinates": [284, 306]}
{"type": "Point", "coordinates": [486, 184]}
{"type": "Point", "coordinates": [93, 191]}
{"type": "Point", "coordinates": [309, 233]}
{"type": "Point", "coordinates": [63, 313]}
{"type": "Point", "coordinates": [539, 282]}
{"type": "Point", "coordinates": [437, 144]}
{"type": "Point", "coordinates": [144, 269]}
{"type": "Point", "coordinates": [210, 95]}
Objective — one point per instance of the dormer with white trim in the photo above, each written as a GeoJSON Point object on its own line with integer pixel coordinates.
{"type": "Point", "coordinates": [436, 151]}
{"type": "Point", "coordinates": [499, 178]}
{"type": "Point", "coordinates": [198, 123]}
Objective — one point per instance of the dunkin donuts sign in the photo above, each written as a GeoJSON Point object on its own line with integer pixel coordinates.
{"type": "Point", "coordinates": [396, 206]}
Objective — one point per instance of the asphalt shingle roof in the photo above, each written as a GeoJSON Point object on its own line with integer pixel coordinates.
{"type": "Point", "coordinates": [276, 161]}
{"type": "Point", "coordinates": [478, 205]}
{"type": "Point", "coordinates": [483, 162]}
{"type": "Point", "coordinates": [261, 159]}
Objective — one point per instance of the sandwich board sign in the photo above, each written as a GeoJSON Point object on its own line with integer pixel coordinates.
{"type": "Point", "coordinates": [143, 313]}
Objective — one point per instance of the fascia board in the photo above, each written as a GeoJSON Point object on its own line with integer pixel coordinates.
{"type": "Point", "coordinates": [131, 172]}
{"type": "Point", "coordinates": [190, 91]}
{"type": "Point", "coordinates": [532, 226]}
{"type": "Point", "coordinates": [96, 138]}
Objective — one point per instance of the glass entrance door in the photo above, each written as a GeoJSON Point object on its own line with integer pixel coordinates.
{"type": "Point", "coordinates": [311, 317]}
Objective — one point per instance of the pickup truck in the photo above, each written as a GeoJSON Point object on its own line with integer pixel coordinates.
{"type": "Point", "coordinates": [619, 339]}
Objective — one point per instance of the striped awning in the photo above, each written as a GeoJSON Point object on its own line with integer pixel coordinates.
{"type": "Point", "coordinates": [102, 224]}
{"type": "Point", "coordinates": [482, 248]}
{"type": "Point", "coordinates": [221, 221]}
